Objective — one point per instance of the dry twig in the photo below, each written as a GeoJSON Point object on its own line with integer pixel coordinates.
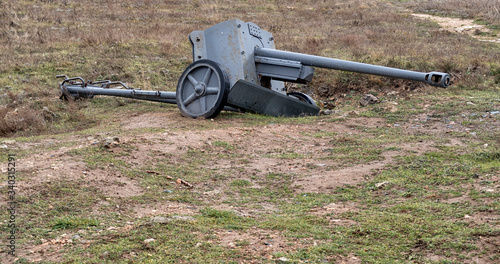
{"type": "Point", "coordinates": [181, 181]}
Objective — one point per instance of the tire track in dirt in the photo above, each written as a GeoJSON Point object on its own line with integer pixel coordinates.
{"type": "Point", "coordinates": [326, 181]}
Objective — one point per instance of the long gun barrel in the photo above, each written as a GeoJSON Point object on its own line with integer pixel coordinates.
{"type": "Point", "coordinates": [433, 78]}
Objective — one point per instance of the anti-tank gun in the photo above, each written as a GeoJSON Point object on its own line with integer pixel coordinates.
{"type": "Point", "coordinates": [236, 66]}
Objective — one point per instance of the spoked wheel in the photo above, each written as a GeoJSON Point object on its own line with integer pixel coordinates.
{"type": "Point", "coordinates": [202, 89]}
{"type": "Point", "coordinates": [302, 97]}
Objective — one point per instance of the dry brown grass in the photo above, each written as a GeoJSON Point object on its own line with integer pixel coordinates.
{"type": "Point", "coordinates": [488, 10]}
{"type": "Point", "coordinates": [347, 29]}
{"type": "Point", "coordinates": [17, 116]}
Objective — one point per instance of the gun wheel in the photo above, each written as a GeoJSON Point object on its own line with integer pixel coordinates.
{"type": "Point", "coordinates": [202, 89]}
{"type": "Point", "coordinates": [302, 97]}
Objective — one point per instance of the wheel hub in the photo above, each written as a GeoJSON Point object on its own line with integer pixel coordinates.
{"type": "Point", "coordinates": [200, 89]}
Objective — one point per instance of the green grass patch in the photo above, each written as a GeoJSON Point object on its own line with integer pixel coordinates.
{"type": "Point", "coordinates": [73, 222]}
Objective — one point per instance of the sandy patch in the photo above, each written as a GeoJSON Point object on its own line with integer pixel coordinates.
{"type": "Point", "coordinates": [462, 26]}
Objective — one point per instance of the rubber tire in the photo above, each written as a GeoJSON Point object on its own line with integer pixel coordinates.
{"type": "Point", "coordinates": [302, 97]}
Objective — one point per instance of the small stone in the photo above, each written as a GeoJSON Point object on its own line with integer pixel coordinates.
{"type": "Point", "coordinates": [111, 141]}
{"type": "Point", "coordinates": [149, 240]}
{"type": "Point", "coordinates": [76, 237]}
{"type": "Point", "coordinates": [325, 112]}
{"type": "Point", "coordinates": [369, 99]}
{"type": "Point", "coordinates": [283, 259]}
{"type": "Point", "coordinates": [160, 220]}
{"type": "Point", "coordinates": [381, 184]}
{"type": "Point", "coordinates": [168, 191]}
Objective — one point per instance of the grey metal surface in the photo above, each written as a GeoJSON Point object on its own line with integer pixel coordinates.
{"type": "Point", "coordinates": [433, 78]}
{"type": "Point", "coordinates": [255, 98]}
{"type": "Point", "coordinates": [76, 90]}
{"type": "Point", "coordinates": [284, 70]}
{"type": "Point", "coordinates": [231, 44]}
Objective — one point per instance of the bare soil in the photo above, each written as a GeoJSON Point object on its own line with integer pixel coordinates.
{"type": "Point", "coordinates": [54, 165]}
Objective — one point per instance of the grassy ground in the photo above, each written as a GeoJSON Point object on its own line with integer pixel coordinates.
{"type": "Point", "coordinates": [414, 179]}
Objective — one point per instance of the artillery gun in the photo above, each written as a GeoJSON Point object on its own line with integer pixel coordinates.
{"type": "Point", "coordinates": [236, 67]}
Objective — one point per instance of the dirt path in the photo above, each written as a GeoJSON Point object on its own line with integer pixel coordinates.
{"type": "Point", "coordinates": [462, 26]}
